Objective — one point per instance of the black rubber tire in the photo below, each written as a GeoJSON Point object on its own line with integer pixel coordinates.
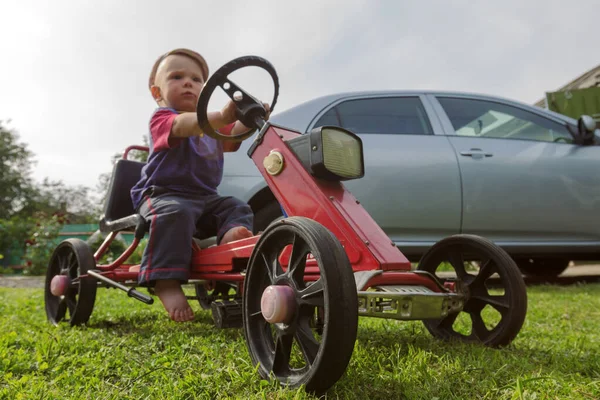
{"type": "Point", "coordinates": [511, 306]}
{"type": "Point", "coordinates": [270, 345]}
{"type": "Point", "coordinates": [542, 267]}
{"type": "Point", "coordinates": [72, 257]}
{"type": "Point", "coordinates": [266, 215]}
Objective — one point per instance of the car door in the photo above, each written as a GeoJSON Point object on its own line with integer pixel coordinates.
{"type": "Point", "coordinates": [411, 185]}
{"type": "Point", "coordinates": [523, 178]}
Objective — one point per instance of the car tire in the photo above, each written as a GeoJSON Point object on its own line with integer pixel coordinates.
{"type": "Point", "coordinates": [542, 267]}
{"type": "Point", "coordinates": [266, 215]}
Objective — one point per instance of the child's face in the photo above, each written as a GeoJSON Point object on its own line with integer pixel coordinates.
{"type": "Point", "coordinates": [178, 83]}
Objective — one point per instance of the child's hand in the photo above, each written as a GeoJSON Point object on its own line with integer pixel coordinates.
{"type": "Point", "coordinates": [228, 113]}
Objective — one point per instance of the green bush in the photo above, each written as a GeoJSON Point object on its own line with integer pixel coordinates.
{"type": "Point", "coordinates": [136, 256]}
{"type": "Point", "coordinates": [115, 249]}
{"type": "Point", "coordinates": [4, 270]}
{"type": "Point", "coordinates": [41, 243]}
{"type": "Point", "coordinates": [14, 231]}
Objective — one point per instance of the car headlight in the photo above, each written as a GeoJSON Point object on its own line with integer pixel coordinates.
{"type": "Point", "coordinates": [330, 153]}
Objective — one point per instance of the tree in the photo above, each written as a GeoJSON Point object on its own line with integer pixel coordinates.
{"type": "Point", "coordinates": [75, 202]}
{"type": "Point", "coordinates": [20, 196]}
{"type": "Point", "coordinates": [13, 235]}
{"type": "Point", "coordinates": [15, 176]}
{"type": "Point", "coordinates": [26, 206]}
{"type": "Point", "coordinates": [15, 190]}
{"type": "Point", "coordinates": [41, 242]}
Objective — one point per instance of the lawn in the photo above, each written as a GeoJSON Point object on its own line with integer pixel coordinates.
{"type": "Point", "coordinates": [132, 351]}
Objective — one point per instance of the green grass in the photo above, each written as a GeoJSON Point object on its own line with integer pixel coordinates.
{"type": "Point", "coordinates": [132, 351]}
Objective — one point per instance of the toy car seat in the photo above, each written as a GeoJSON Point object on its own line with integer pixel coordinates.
{"type": "Point", "coordinates": [118, 209]}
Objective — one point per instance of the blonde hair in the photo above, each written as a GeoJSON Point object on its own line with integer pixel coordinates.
{"type": "Point", "coordinates": [183, 52]}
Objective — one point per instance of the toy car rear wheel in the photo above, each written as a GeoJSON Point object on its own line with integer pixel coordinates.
{"type": "Point", "coordinates": [494, 290]}
{"type": "Point", "coordinates": [71, 258]}
{"type": "Point", "coordinates": [206, 294]}
{"type": "Point", "coordinates": [294, 352]}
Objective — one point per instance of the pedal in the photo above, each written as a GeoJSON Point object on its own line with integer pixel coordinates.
{"type": "Point", "coordinates": [227, 314]}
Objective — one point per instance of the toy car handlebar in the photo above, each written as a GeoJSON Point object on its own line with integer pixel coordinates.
{"type": "Point", "coordinates": [249, 111]}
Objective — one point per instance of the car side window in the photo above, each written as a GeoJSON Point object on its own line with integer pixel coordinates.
{"type": "Point", "coordinates": [385, 115]}
{"type": "Point", "coordinates": [488, 119]}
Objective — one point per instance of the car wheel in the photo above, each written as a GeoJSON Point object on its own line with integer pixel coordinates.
{"type": "Point", "coordinates": [540, 267]}
{"type": "Point", "coordinates": [266, 215]}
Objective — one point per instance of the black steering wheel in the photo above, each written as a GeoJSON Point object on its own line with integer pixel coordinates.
{"type": "Point", "coordinates": [249, 110]}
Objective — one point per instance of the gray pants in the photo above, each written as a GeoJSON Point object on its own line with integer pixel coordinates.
{"type": "Point", "coordinates": [174, 219]}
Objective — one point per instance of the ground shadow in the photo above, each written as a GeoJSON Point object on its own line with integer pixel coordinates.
{"type": "Point", "coordinates": [150, 324]}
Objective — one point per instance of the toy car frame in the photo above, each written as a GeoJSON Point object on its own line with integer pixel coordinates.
{"type": "Point", "coordinates": [299, 287]}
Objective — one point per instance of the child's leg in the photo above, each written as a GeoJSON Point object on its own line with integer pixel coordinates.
{"type": "Point", "coordinates": [171, 295]}
{"type": "Point", "coordinates": [167, 256]}
{"type": "Point", "coordinates": [233, 218]}
{"type": "Point", "coordinates": [236, 233]}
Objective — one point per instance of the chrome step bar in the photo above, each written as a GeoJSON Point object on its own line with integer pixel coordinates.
{"type": "Point", "coordinates": [407, 302]}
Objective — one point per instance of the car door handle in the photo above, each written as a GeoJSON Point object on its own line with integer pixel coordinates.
{"type": "Point", "coordinates": [475, 153]}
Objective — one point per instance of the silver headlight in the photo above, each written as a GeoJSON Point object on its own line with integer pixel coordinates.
{"type": "Point", "coordinates": [330, 153]}
{"type": "Point", "coordinates": [342, 153]}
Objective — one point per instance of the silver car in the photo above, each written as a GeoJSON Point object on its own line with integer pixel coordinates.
{"type": "Point", "coordinates": [439, 163]}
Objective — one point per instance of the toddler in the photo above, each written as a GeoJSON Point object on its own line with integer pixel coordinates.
{"type": "Point", "coordinates": [177, 192]}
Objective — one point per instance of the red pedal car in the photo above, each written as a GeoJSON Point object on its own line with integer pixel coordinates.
{"type": "Point", "coordinates": [298, 287]}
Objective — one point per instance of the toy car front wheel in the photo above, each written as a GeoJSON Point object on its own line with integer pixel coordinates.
{"type": "Point", "coordinates": [64, 287]}
{"type": "Point", "coordinates": [493, 287]}
{"type": "Point", "coordinates": [281, 300]}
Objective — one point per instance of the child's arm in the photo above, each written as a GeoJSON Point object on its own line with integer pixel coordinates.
{"type": "Point", "coordinates": [229, 146]}
{"type": "Point", "coordinates": [186, 124]}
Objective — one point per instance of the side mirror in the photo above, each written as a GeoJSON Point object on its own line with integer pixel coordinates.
{"type": "Point", "coordinates": [586, 128]}
{"type": "Point", "coordinates": [586, 125]}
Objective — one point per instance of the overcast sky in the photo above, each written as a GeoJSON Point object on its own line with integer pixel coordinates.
{"type": "Point", "coordinates": [73, 74]}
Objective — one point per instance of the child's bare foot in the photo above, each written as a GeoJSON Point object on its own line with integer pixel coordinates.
{"type": "Point", "coordinates": [170, 293]}
{"type": "Point", "coordinates": [237, 233]}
